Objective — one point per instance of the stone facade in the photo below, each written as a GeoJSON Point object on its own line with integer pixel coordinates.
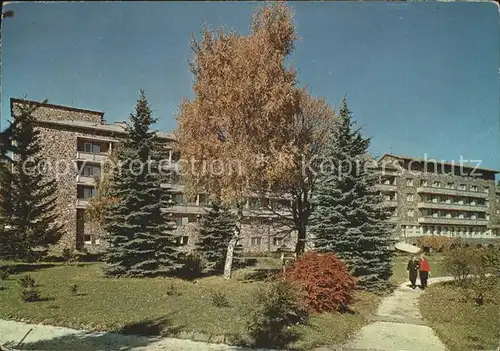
{"type": "Point", "coordinates": [75, 138]}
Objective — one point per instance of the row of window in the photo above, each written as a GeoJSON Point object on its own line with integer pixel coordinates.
{"type": "Point", "coordinates": [450, 185]}
{"type": "Point", "coordinates": [252, 203]}
{"type": "Point", "coordinates": [442, 230]}
{"type": "Point", "coordinates": [455, 215]}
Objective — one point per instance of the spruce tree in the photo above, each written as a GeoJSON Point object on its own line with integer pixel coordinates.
{"type": "Point", "coordinates": [216, 230]}
{"type": "Point", "coordinates": [27, 195]}
{"type": "Point", "coordinates": [348, 217]}
{"type": "Point", "coordinates": [141, 240]}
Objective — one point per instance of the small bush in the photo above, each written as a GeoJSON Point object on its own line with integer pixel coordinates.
{"type": "Point", "coordinates": [277, 307]}
{"type": "Point", "coordinates": [27, 282]}
{"type": "Point", "coordinates": [67, 254]}
{"type": "Point", "coordinates": [325, 280]}
{"type": "Point", "coordinates": [458, 263]}
{"type": "Point", "coordinates": [435, 242]}
{"type": "Point", "coordinates": [173, 291]}
{"type": "Point", "coordinates": [73, 289]}
{"type": "Point", "coordinates": [4, 274]}
{"type": "Point", "coordinates": [30, 294]}
{"type": "Point", "coordinates": [219, 299]}
{"type": "Point", "coordinates": [192, 266]}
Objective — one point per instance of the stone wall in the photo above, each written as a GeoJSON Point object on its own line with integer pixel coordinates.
{"type": "Point", "coordinates": [59, 113]}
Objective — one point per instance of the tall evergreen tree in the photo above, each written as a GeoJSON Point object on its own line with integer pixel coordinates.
{"type": "Point", "coordinates": [27, 195]}
{"type": "Point", "coordinates": [348, 217]}
{"type": "Point", "coordinates": [216, 230]}
{"type": "Point", "coordinates": [140, 236]}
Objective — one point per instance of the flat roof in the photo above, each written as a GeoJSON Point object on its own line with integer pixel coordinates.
{"type": "Point", "coordinates": [46, 104]}
{"type": "Point", "coordinates": [419, 159]}
{"type": "Point", "coordinates": [110, 128]}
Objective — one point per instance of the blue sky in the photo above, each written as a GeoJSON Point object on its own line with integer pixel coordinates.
{"type": "Point", "coordinates": [421, 78]}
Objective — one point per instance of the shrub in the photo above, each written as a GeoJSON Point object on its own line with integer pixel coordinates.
{"type": "Point", "coordinates": [67, 254]}
{"type": "Point", "coordinates": [73, 289]}
{"type": "Point", "coordinates": [30, 294]}
{"type": "Point", "coordinates": [458, 263]}
{"type": "Point", "coordinates": [27, 282]}
{"type": "Point", "coordinates": [4, 274]}
{"type": "Point", "coordinates": [192, 266]}
{"type": "Point", "coordinates": [173, 291]}
{"type": "Point", "coordinates": [278, 306]}
{"type": "Point", "coordinates": [325, 280]}
{"type": "Point", "coordinates": [219, 299]}
{"type": "Point", "coordinates": [436, 242]}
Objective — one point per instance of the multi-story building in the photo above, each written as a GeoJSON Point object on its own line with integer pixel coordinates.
{"type": "Point", "coordinates": [76, 142]}
{"type": "Point", "coordinates": [432, 197]}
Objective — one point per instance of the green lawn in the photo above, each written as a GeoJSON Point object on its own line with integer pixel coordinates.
{"type": "Point", "coordinates": [400, 274]}
{"type": "Point", "coordinates": [133, 305]}
{"type": "Point", "coordinates": [460, 324]}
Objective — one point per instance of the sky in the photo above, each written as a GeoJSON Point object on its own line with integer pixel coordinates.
{"type": "Point", "coordinates": [420, 78]}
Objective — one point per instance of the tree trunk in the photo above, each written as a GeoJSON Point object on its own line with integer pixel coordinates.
{"type": "Point", "coordinates": [300, 247]}
{"type": "Point", "coordinates": [228, 265]}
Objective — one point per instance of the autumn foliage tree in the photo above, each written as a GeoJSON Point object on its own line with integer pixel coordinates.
{"type": "Point", "coordinates": [235, 133]}
{"type": "Point", "coordinates": [325, 279]}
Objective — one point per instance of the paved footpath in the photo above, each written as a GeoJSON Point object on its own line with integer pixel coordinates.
{"type": "Point", "coordinates": [45, 337]}
{"type": "Point", "coordinates": [398, 324]}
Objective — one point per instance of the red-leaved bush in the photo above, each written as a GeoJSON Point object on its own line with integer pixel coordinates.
{"type": "Point", "coordinates": [325, 279]}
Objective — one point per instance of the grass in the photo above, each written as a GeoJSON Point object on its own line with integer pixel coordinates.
{"type": "Point", "coordinates": [459, 323]}
{"type": "Point", "coordinates": [165, 306]}
{"type": "Point", "coordinates": [400, 274]}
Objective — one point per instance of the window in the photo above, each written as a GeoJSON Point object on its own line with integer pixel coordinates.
{"type": "Point", "coordinates": [183, 240]}
{"type": "Point", "coordinates": [423, 182]}
{"type": "Point", "coordinates": [409, 181]}
{"type": "Point", "coordinates": [92, 148]}
{"type": "Point", "coordinates": [87, 239]}
{"type": "Point", "coordinates": [462, 187]}
{"type": "Point", "coordinates": [91, 170]}
{"type": "Point", "coordinates": [254, 203]}
{"type": "Point", "coordinates": [473, 188]}
{"type": "Point", "coordinates": [410, 213]}
{"type": "Point", "coordinates": [436, 184]}
{"type": "Point", "coordinates": [450, 186]}
{"type": "Point", "coordinates": [256, 240]}
{"type": "Point", "coordinates": [185, 220]}
{"type": "Point", "coordinates": [178, 199]}
{"type": "Point", "coordinates": [178, 221]}
{"type": "Point", "coordinates": [277, 241]}
{"type": "Point", "coordinates": [89, 193]}
{"type": "Point", "coordinates": [409, 197]}
{"type": "Point", "coordinates": [202, 199]}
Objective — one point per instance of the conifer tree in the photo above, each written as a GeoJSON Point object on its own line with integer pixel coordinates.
{"type": "Point", "coordinates": [216, 231]}
{"type": "Point", "coordinates": [141, 238]}
{"type": "Point", "coordinates": [27, 194]}
{"type": "Point", "coordinates": [348, 217]}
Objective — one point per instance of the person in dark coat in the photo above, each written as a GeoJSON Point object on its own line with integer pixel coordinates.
{"type": "Point", "coordinates": [412, 268]}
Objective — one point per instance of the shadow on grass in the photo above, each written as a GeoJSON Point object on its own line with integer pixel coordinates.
{"type": "Point", "coordinates": [19, 268]}
{"type": "Point", "coordinates": [131, 336]}
{"type": "Point", "coordinates": [261, 274]}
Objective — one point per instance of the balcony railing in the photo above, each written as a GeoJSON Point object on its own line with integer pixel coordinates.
{"type": "Point", "coordinates": [87, 156]}
{"type": "Point", "coordinates": [82, 203]}
{"type": "Point", "coordinates": [390, 203]}
{"type": "Point", "coordinates": [387, 187]}
{"type": "Point", "coordinates": [457, 207]}
{"type": "Point", "coordinates": [457, 221]}
{"type": "Point", "coordinates": [452, 192]}
{"type": "Point", "coordinates": [85, 180]}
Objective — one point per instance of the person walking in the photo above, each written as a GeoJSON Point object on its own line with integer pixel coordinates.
{"type": "Point", "coordinates": [412, 268]}
{"type": "Point", "coordinates": [424, 270]}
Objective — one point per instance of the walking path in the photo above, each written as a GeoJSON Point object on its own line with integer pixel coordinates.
{"type": "Point", "coordinates": [45, 337]}
{"type": "Point", "coordinates": [398, 324]}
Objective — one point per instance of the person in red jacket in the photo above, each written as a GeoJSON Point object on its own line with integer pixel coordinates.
{"type": "Point", "coordinates": [424, 271]}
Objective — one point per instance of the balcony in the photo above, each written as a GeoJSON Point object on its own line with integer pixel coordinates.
{"type": "Point", "coordinates": [457, 221]}
{"type": "Point", "coordinates": [87, 156]}
{"type": "Point", "coordinates": [188, 209]}
{"type": "Point", "coordinates": [390, 203]}
{"type": "Point", "coordinates": [387, 187]}
{"type": "Point", "coordinates": [452, 192]}
{"type": "Point", "coordinates": [82, 203]}
{"type": "Point", "coordinates": [88, 180]}
{"type": "Point", "coordinates": [456, 207]}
